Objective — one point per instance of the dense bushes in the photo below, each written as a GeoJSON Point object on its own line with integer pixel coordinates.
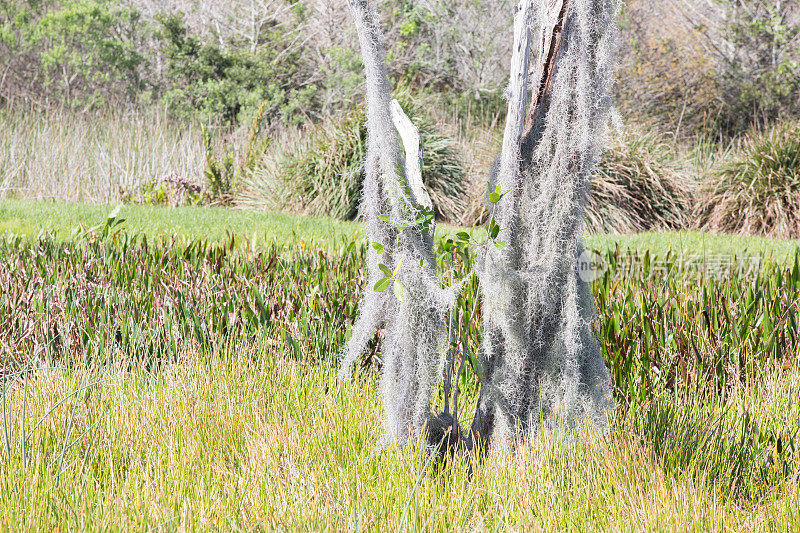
{"type": "Point", "coordinates": [637, 187]}
{"type": "Point", "coordinates": [322, 174]}
{"type": "Point", "coordinates": [706, 68]}
{"type": "Point", "coordinates": [711, 68]}
{"type": "Point", "coordinates": [76, 52]}
{"type": "Point", "coordinates": [757, 191]}
{"type": "Point", "coordinates": [87, 54]}
{"type": "Point", "coordinates": [214, 84]}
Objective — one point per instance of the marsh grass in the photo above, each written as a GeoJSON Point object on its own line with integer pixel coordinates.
{"type": "Point", "coordinates": [93, 158]}
{"type": "Point", "coordinates": [248, 439]}
{"type": "Point", "coordinates": [664, 321]}
{"type": "Point", "coordinates": [191, 385]}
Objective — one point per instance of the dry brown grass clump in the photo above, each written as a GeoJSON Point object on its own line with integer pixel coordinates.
{"type": "Point", "coordinates": [637, 187]}
{"type": "Point", "coordinates": [757, 190]}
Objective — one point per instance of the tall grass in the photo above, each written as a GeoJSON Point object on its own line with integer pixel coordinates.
{"type": "Point", "coordinates": [94, 157]}
{"type": "Point", "coordinates": [756, 190]}
{"type": "Point", "coordinates": [247, 440]}
{"type": "Point", "coordinates": [191, 385]}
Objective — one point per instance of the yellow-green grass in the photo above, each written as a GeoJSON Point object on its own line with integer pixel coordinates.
{"type": "Point", "coordinates": [31, 217]}
{"type": "Point", "coordinates": [248, 433]}
{"type": "Point", "coordinates": [225, 443]}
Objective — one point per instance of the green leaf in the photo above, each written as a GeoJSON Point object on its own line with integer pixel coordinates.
{"type": "Point", "coordinates": [381, 285]}
{"type": "Point", "coordinates": [494, 229]}
{"type": "Point", "coordinates": [496, 195]}
{"type": "Point", "coordinates": [385, 218]}
{"type": "Point", "coordinates": [463, 235]}
{"type": "Point", "coordinates": [386, 270]}
{"type": "Point", "coordinates": [378, 247]}
{"type": "Point", "coordinates": [397, 287]}
{"type": "Point", "coordinates": [500, 245]}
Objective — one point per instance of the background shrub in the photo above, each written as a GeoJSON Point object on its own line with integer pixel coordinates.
{"type": "Point", "coordinates": [667, 79]}
{"type": "Point", "coordinates": [322, 175]}
{"type": "Point", "coordinates": [637, 187]}
{"type": "Point", "coordinates": [75, 52]}
{"type": "Point", "coordinates": [757, 190]}
{"type": "Point", "coordinates": [710, 68]}
{"type": "Point", "coordinates": [217, 84]}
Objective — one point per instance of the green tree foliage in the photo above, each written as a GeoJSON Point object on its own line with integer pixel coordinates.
{"type": "Point", "coordinates": [761, 73]}
{"type": "Point", "coordinates": [77, 52]}
{"type": "Point", "coordinates": [212, 83]}
{"type": "Point", "coordinates": [90, 43]}
{"type": "Point", "coordinates": [710, 67]}
{"type": "Point", "coordinates": [86, 53]}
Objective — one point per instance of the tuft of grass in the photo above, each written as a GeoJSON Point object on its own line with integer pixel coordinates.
{"type": "Point", "coordinates": [321, 175]}
{"type": "Point", "coordinates": [756, 191]}
{"type": "Point", "coordinates": [637, 187]}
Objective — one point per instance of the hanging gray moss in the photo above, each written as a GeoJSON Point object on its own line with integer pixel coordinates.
{"type": "Point", "coordinates": [540, 359]}
{"type": "Point", "coordinates": [398, 213]}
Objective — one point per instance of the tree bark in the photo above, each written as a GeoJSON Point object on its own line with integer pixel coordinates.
{"type": "Point", "coordinates": [518, 145]}
{"type": "Point", "coordinates": [547, 56]}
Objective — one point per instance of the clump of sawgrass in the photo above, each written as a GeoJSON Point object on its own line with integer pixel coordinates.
{"type": "Point", "coordinates": [757, 190]}
{"type": "Point", "coordinates": [637, 187]}
{"type": "Point", "coordinates": [323, 174]}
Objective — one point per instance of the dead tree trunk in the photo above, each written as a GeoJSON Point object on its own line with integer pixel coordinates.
{"type": "Point", "coordinates": [396, 207]}
{"type": "Point", "coordinates": [540, 361]}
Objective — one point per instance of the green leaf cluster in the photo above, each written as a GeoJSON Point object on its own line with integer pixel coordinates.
{"type": "Point", "coordinates": [390, 278]}
{"type": "Point", "coordinates": [214, 84]}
